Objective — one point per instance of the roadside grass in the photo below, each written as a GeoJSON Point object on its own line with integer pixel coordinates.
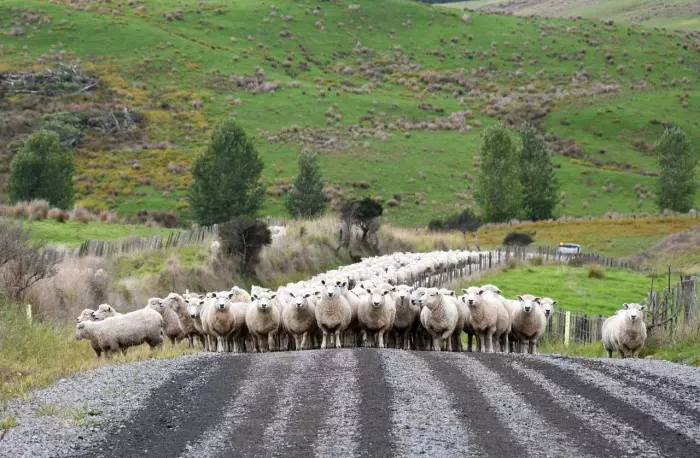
{"type": "Point", "coordinates": [73, 233]}
{"type": "Point", "coordinates": [572, 287]}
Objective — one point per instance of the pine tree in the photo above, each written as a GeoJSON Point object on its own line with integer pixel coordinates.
{"type": "Point", "coordinates": [498, 190]}
{"type": "Point", "coordinates": [537, 177]}
{"type": "Point", "coordinates": [42, 169]}
{"type": "Point", "coordinates": [225, 179]}
{"type": "Point", "coordinates": [677, 183]}
{"type": "Point", "coordinates": [307, 199]}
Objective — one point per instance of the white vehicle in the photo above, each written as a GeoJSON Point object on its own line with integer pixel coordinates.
{"type": "Point", "coordinates": [569, 248]}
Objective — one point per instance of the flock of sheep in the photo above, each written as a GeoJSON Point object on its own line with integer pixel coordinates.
{"type": "Point", "coordinates": [372, 303]}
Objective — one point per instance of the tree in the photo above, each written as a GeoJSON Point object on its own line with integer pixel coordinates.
{"type": "Point", "coordinates": [225, 179]}
{"type": "Point", "coordinates": [537, 177]}
{"type": "Point", "coordinates": [677, 183]}
{"type": "Point", "coordinates": [498, 190]}
{"type": "Point", "coordinates": [465, 221]}
{"type": "Point", "coordinates": [307, 199]}
{"type": "Point", "coordinates": [42, 170]}
{"type": "Point", "coordinates": [365, 214]}
{"type": "Point", "coordinates": [243, 238]}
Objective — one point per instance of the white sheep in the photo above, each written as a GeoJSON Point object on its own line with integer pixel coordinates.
{"type": "Point", "coordinates": [178, 304]}
{"type": "Point", "coordinates": [122, 331]}
{"type": "Point", "coordinates": [104, 311]}
{"type": "Point", "coordinates": [547, 304]}
{"type": "Point", "coordinates": [439, 317]}
{"type": "Point", "coordinates": [463, 319]}
{"type": "Point", "coordinates": [195, 305]}
{"type": "Point", "coordinates": [488, 317]}
{"type": "Point", "coordinates": [240, 295]}
{"type": "Point", "coordinates": [406, 319]}
{"type": "Point", "coordinates": [263, 320]}
{"type": "Point", "coordinates": [85, 315]}
{"type": "Point", "coordinates": [299, 319]}
{"type": "Point", "coordinates": [625, 332]}
{"type": "Point", "coordinates": [529, 323]}
{"type": "Point", "coordinates": [333, 313]}
{"type": "Point", "coordinates": [376, 314]}
{"type": "Point", "coordinates": [171, 323]}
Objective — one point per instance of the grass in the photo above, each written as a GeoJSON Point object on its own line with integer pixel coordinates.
{"type": "Point", "coordinates": [160, 67]}
{"type": "Point", "coordinates": [667, 13]}
{"type": "Point", "coordinates": [35, 355]}
{"type": "Point", "coordinates": [573, 287]}
{"type": "Point", "coordinates": [73, 233]}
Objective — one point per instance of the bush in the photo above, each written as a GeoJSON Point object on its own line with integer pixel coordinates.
{"type": "Point", "coordinates": [518, 239]}
{"type": "Point", "coordinates": [42, 169]}
{"type": "Point", "coordinates": [677, 182]}
{"type": "Point", "coordinates": [364, 214]}
{"type": "Point", "coordinates": [596, 271]}
{"type": "Point", "coordinates": [242, 239]}
{"type": "Point", "coordinates": [465, 221]}
{"type": "Point", "coordinates": [226, 178]}
{"type": "Point", "coordinates": [536, 261]}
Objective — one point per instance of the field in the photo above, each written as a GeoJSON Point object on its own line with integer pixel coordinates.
{"type": "Point", "coordinates": [73, 233]}
{"type": "Point", "coordinates": [393, 95]}
{"type": "Point", "coordinates": [674, 14]}
{"type": "Point", "coordinates": [572, 287]}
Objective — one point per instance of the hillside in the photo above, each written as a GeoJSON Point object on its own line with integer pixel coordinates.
{"type": "Point", "coordinates": [393, 95]}
{"type": "Point", "coordinates": [674, 14]}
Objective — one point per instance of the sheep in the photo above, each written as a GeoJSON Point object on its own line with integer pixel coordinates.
{"type": "Point", "coordinates": [354, 300]}
{"type": "Point", "coordinates": [462, 319]}
{"type": "Point", "coordinates": [177, 304]}
{"type": "Point", "coordinates": [439, 317]}
{"type": "Point", "coordinates": [547, 304]}
{"type": "Point", "coordinates": [406, 318]}
{"type": "Point", "coordinates": [224, 321]}
{"type": "Point", "coordinates": [625, 332]}
{"type": "Point", "coordinates": [299, 319]}
{"type": "Point", "coordinates": [194, 310]}
{"type": "Point", "coordinates": [103, 312]}
{"type": "Point", "coordinates": [85, 315]}
{"type": "Point", "coordinates": [240, 295]}
{"type": "Point", "coordinates": [122, 331]}
{"type": "Point", "coordinates": [488, 317]}
{"type": "Point", "coordinates": [171, 323]}
{"type": "Point", "coordinates": [529, 323]}
{"type": "Point", "coordinates": [263, 320]}
{"type": "Point", "coordinates": [333, 313]}
{"type": "Point", "coordinates": [376, 314]}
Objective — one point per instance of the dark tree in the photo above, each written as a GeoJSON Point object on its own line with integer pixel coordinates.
{"type": "Point", "coordinates": [677, 182]}
{"type": "Point", "coordinates": [537, 177]}
{"type": "Point", "coordinates": [307, 199]}
{"type": "Point", "coordinates": [242, 239]}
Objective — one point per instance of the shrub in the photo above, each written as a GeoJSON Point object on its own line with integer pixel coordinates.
{"type": "Point", "coordinates": [596, 271]}
{"type": "Point", "coordinates": [226, 178]}
{"type": "Point", "coordinates": [364, 214]}
{"type": "Point", "coordinates": [465, 221]}
{"type": "Point", "coordinates": [307, 198]}
{"type": "Point", "coordinates": [536, 261]}
{"type": "Point", "coordinates": [42, 169]}
{"type": "Point", "coordinates": [518, 239]}
{"type": "Point", "coordinates": [242, 239]}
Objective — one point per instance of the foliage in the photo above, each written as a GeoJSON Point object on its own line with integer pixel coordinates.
{"type": "Point", "coordinates": [42, 169]}
{"type": "Point", "coordinates": [677, 183]}
{"type": "Point", "coordinates": [596, 271]}
{"type": "Point", "coordinates": [537, 177]}
{"type": "Point", "coordinates": [364, 214]}
{"type": "Point", "coordinates": [243, 238]}
{"type": "Point", "coordinates": [518, 238]}
{"type": "Point", "coordinates": [465, 221]}
{"type": "Point", "coordinates": [226, 177]}
{"type": "Point", "coordinates": [498, 190]}
{"type": "Point", "coordinates": [307, 199]}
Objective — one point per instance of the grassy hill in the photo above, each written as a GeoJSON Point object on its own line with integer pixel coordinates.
{"type": "Point", "coordinates": [393, 95]}
{"type": "Point", "coordinates": [674, 14]}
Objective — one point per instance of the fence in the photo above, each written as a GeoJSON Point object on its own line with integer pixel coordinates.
{"type": "Point", "coordinates": [196, 236]}
{"type": "Point", "coordinates": [668, 311]}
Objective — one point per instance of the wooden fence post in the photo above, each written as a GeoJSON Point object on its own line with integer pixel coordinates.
{"type": "Point", "coordinates": [567, 328]}
{"type": "Point", "coordinates": [690, 299]}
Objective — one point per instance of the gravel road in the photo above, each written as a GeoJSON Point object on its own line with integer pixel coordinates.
{"type": "Point", "coordinates": [365, 402]}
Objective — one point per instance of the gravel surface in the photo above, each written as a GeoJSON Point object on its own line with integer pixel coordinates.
{"type": "Point", "coordinates": [364, 402]}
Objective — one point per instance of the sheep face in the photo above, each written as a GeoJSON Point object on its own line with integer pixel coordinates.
{"type": "Point", "coordinates": [635, 311]}
{"type": "Point", "coordinates": [403, 292]}
{"type": "Point", "coordinates": [492, 288]}
{"type": "Point", "coordinates": [85, 315]}
{"type": "Point", "coordinates": [473, 297]}
{"type": "Point", "coordinates": [331, 289]}
{"type": "Point", "coordinates": [431, 298]}
{"type": "Point", "coordinates": [377, 297]}
{"type": "Point", "coordinates": [222, 301]}
{"type": "Point", "coordinates": [80, 331]}
{"type": "Point", "coordinates": [194, 307]}
{"type": "Point", "coordinates": [300, 300]}
{"type": "Point", "coordinates": [416, 296]}
{"type": "Point", "coordinates": [263, 301]}
{"type": "Point", "coordinates": [547, 305]}
{"type": "Point", "coordinates": [103, 311]}
{"type": "Point", "coordinates": [527, 303]}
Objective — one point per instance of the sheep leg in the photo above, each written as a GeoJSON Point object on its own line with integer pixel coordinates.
{"type": "Point", "coordinates": [271, 341]}
{"type": "Point", "coordinates": [338, 342]}
{"type": "Point", "coordinates": [534, 348]}
{"type": "Point", "coordinates": [470, 340]}
{"type": "Point", "coordinates": [219, 344]}
{"type": "Point", "coordinates": [406, 341]}
{"type": "Point", "coordinates": [505, 348]}
{"type": "Point", "coordinates": [482, 346]}
{"type": "Point", "coordinates": [304, 341]}
{"type": "Point", "coordinates": [609, 353]}
{"type": "Point", "coordinates": [437, 343]}
{"type": "Point", "coordinates": [325, 340]}
{"type": "Point", "coordinates": [297, 342]}
{"type": "Point", "coordinates": [380, 338]}
{"type": "Point", "coordinates": [524, 345]}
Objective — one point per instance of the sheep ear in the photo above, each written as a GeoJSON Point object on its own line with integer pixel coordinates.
{"type": "Point", "coordinates": [368, 290]}
{"type": "Point", "coordinates": [307, 295]}
{"type": "Point", "coordinates": [555, 302]}
{"type": "Point", "coordinates": [201, 302]}
{"type": "Point", "coordinates": [520, 298]}
{"type": "Point", "coordinates": [202, 296]}
{"type": "Point", "coordinates": [464, 290]}
{"type": "Point", "coordinates": [323, 282]}
{"type": "Point", "coordinates": [393, 290]}
{"type": "Point", "coordinates": [230, 295]}
{"type": "Point", "coordinates": [272, 296]}
{"type": "Point", "coordinates": [481, 291]}
{"type": "Point", "coordinates": [317, 293]}
{"type": "Point", "coordinates": [451, 293]}
{"type": "Point", "coordinates": [626, 305]}
{"type": "Point", "coordinates": [537, 299]}
{"type": "Point", "coordinates": [643, 308]}
{"type": "Point", "coordinates": [344, 283]}
{"type": "Point", "coordinates": [291, 294]}
{"type": "Point", "coordinates": [213, 294]}
{"type": "Point", "coordinates": [386, 291]}
{"type": "Point", "coordinates": [255, 296]}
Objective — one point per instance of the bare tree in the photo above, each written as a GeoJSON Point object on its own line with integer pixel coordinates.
{"type": "Point", "coordinates": [12, 239]}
